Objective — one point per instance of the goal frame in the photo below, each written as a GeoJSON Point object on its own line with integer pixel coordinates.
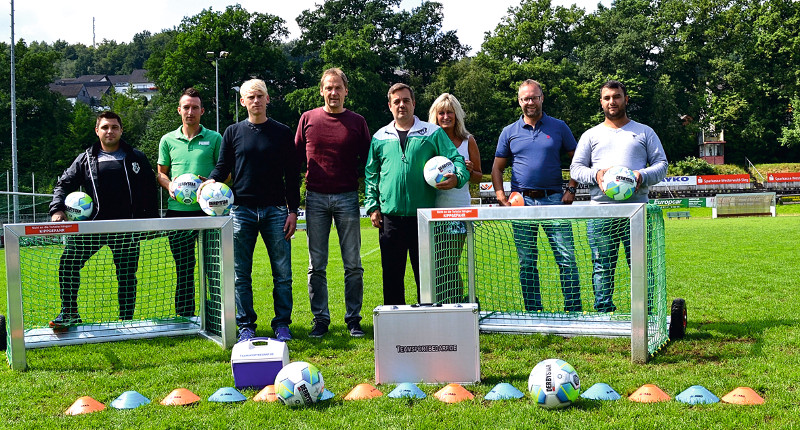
{"type": "Point", "coordinates": [19, 340]}
{"type": "Point", "coordinates": [636, 213]}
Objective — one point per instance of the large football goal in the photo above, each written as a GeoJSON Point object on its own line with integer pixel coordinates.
{"type": "Point", "coordinates": [99, 281]}
{"type": "Point", "coordinates": [576, 270]}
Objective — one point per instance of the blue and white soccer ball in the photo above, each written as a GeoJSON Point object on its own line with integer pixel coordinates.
{"type": "Point", "coordinates": [619, 182]}
{"type": "Point", "coordinates": [554, 384]}
{"type": "Point", "coordinates": [435, 168]}
{"type": "Point", "coordinates": [216, 199]}
{"type": "Point", "coordinates": [186, 186]}
{"type": "Point", "coordinates": [299, 384]}
{"type": "Point", "coordinates": [79, 206]}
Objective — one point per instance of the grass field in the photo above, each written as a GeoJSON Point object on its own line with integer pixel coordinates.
{"type": "Point", "coordinates": [738, 275]}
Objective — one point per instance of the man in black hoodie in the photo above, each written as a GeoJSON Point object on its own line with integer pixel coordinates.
{"type": "Point", "coordinates": [122, 185]}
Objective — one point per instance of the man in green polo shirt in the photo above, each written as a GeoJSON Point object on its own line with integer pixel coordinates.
{"type": "Point", "coordinates": [191, 148]}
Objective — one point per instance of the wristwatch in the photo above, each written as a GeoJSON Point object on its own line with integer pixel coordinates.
{"type": "Point", "coordinates": [570, 189]}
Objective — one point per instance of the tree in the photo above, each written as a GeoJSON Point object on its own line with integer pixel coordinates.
{"type": "Point", "coordinates": [253, 43]}
{"type": "Point", "coordinates": [43, 117]}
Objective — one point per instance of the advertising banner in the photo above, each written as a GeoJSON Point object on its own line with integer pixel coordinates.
{"type": "Point", "coordinates": [783, 177]}
{"type": "Point", "coordinates": [723, 179]}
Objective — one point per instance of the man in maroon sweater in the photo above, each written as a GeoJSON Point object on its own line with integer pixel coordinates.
{"type": "Point", "coordinates": [334, 142]}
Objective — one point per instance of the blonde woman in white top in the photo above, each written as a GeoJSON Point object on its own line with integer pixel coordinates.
{"type": "Point", "coordinates": [446, 112]}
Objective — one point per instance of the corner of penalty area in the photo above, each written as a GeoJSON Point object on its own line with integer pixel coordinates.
{"type": "Point", "coordinates": [678, 319]}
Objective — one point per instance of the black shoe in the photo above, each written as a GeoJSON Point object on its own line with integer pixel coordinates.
{"type": "Point", "coordinates": [355, 329]}
{"type": "Point", "coordinates": [318, 330]}
{"type": "Point", "coordinates": [64, 320]}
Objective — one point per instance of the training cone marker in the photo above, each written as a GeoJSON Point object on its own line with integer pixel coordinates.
{"type": "Point", "coordinates": [503, 391]}
{"type": "Point", "coordinates": [453, 393]}
{"type": "Point", "coordinates": [407, 390]}
{"type": "Point", "coordinates": [743, 396]}
{"type": "Point", "coordinates": [601, 391]}
{"type": "Point", "coordinates": [327, 395]}
{"type": "Point", "coordinates": [649, 393]}
{"type": "Point", "coordinates": [85, 405]}
{"type": "Point", "coordinates": [266, 395]}
{"type": "Point", "coordinates": [227, 395]}
{"type": "Point", "coordinates": [180, 397]}
{"type": "Point", "coordinates": [129, 400]}
{"type": "Point", "coordinates": [696, 395]}
{"type": "Point", "coordinates": [363, 391]}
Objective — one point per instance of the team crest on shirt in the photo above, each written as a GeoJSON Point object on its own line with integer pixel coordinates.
{"type": "Point", "coordinates": [135, 166]}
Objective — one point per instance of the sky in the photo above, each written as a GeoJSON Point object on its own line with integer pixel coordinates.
{"type": "Point", "coordinates": [71, 20]}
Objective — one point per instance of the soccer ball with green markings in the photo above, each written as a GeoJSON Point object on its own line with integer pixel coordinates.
{"type": "Point", "coordinates": [554, 384]}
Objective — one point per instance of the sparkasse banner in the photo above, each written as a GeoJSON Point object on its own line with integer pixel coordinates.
{"type": "Point", "coordinates": [723, 179]}
{"type": "Point", "coordinates": [783, 177]}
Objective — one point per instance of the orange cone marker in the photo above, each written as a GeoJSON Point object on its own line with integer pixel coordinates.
{"type": "Point", "coordinates": [180, 397]}
{"type": "Point", "coordinates": [363, 391]}
{"type": "Point", "coordinates": [743, 396]}
{"type": "Point", "coordinates": [649, 393]}
{"type": "Point", "coordinates": [85, 405]}
{"type": "Point", "coordinates": [266, 395]}
{"type": "Point", "coordinates": [453, 393]}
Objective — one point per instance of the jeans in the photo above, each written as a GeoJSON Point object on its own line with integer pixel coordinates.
{"type": "Point", "coordinates": [182, 245]}
{"type": "Point", "coordinates": [399, 242]}
{"type": "Point", "coordinates": [248, 222]}
{"type": "Point", "coordinates": [343, 208]}
{"type": "Point", "coordinates": [559, 234]}
{"type": "Point", "coordinates": [604, 237]}
{"type": "Point", "coordinates": [79, 249]}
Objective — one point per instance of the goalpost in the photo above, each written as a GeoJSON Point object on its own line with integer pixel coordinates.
{"type": "Point", "coordinates": [583, 283]}
{"type": "Point", "coordinates": [126, 290]}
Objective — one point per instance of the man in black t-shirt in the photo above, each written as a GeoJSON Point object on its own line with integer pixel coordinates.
{"type": "Point", "coordinates": [122, 185]}
{"type": "Point", "coordinates": [259, 154]}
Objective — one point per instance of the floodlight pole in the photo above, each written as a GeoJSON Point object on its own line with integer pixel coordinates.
{"type": "Point", "coordinates": [14, 173]}
{"type": "Point", "coordinates": [213, 55]}
{"type": "Point", "coordinates": [235, 101]}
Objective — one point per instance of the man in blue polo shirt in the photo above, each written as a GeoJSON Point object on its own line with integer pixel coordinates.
{"type": "Point", "coordinates": [533, 145]}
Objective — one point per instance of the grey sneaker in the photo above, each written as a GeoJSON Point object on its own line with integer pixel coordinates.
{"type": "Point", "coordinates": [246, 333]}
{"type": "Point", "coordinates": [319, 329]}
{"type": "Point", "coordinates": [355, 329]}
{"type": "Point", "coordinates": [283, 334]}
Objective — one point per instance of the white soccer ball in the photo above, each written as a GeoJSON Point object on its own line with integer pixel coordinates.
{"type": "Point", "coordinates": [299, 384]}
{"type": "Point", "coordinates": [79, 206]}
{"type": "Point", "coordinates": [554, 384]}
{"type": "Point", "coordinates": [216, 199]}
{"type": "Point", "coordinates": [435, 168]}
{"type": "Point", "coordinates": [186, 186]}
{"type": "Point", "coordinates": [619, 182]}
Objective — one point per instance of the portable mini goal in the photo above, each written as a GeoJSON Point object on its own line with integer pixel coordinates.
{"type": "Point", "coordinates": [472, 254]}
{"type": "Point", "coordinates": [36, 275]}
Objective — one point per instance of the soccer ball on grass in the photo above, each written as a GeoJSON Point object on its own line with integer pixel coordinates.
{"type": "Point", "coordinates": [299, 384]}
{"type": "Point", "coordinates": [554, 384]}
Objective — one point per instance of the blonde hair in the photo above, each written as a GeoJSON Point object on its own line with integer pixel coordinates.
{"type": "Point", "coordinates": [446, 102]}
{"type": "Point", "coordinates": [253, 85]}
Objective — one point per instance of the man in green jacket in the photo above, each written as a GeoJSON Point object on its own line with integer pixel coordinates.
{"type": "Point", "coordinates": [396, 187]}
